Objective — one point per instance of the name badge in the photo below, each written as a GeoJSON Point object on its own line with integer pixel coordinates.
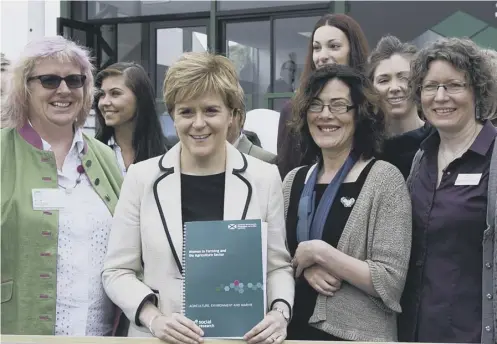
{"type": "Point", "coordinates": [48, 199]}
{"type": "Point", "coordinates": [468, 179]}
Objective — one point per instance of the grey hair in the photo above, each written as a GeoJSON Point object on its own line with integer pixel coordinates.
{"type": "Point", "coordinates": [17, 97]}
{"type": "Point", "coordinates": [492, 55]}
{"type": "Point", "coordinates": [465, 56]}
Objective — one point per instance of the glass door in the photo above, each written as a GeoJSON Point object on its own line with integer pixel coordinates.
{"type": "Point", "coordinates": [90, 35]}
{"type": "Point", "coordinates": [169, 40]}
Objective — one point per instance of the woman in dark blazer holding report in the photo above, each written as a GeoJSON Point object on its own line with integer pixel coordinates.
{"type": "Point", "coordinates": [202, 178]}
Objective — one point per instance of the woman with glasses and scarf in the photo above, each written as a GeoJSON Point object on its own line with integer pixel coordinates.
{"type": "Point", "coordinates": [348, 217]}
{"type": "Point", "coordinates": [59, 191]}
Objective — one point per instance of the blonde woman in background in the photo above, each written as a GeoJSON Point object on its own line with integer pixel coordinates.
{"type": "Point", "coordinates": [389, 71]}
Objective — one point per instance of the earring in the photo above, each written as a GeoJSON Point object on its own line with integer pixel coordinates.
{"type": "Point", "coordinates": [477, 112]}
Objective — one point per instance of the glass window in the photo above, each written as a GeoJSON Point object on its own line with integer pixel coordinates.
{"type": "Point", "coordinates": [99, 39]}
{"type": "Point", "coordinates": [81, 37]}
{"type": "Point", "coordinates": [291, 39]}
{"type": "Point", "coordinates": [108, 45]}
{"type": "Point", "coordinates": [116, 9]}
{"type": "Point", "coordinates": [248, 46]}
{"type": "Point", "coordinates": [243, 5]}
{"type": "Point", "coordinates": [129, 43]}
{"type": "Point", "coordinates": [434, 19]}
{"type": "Point", "coordinates": [172, 43]}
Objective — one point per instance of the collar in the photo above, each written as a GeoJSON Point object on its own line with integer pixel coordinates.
{"type": "Point", "coordinates": [29, 134]}
{"type": "Point", "coordinates": [481, 145]}
{"type": "Point", "coordinates": [112, 142]}
{"type": "Point", "coordinates": [237, 142]}
{"type": "Point", "coordinates": [485, 138]}
{"type": "Point", "coordinates": [235, 161]}
{"type": "Point", "coordinates": [77, 142]}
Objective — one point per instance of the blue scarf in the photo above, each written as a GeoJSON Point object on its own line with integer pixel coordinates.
{"type": "Point", "coordinates": [311, 221]}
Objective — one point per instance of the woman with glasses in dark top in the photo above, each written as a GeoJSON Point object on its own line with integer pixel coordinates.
{"type": "Point", "coordinates": [59, 191]}
{"type": "Point", "coordinates": [451, 288]}
{"type": "Point", "coordinates": [348, 216]}
{"type": "Point", "coordinates": [126, 115]}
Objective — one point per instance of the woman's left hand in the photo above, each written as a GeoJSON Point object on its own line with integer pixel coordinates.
{"type": "Point", "coordinates": [305, 255]}
{"type": "Point", "coordinates": [271, 330]}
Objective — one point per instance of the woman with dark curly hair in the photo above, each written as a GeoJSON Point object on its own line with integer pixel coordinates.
{"type": "Point", "coordinates": [348, 217]}
{"type": "Point", "coordinates": [451, 286]}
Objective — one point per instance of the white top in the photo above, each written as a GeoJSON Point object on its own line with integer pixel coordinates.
{"type": "Point", "coordinates": [83, 308]}
{"type": "Point", "coordinates": [237, 141]}
{"type": "Point", "coordinates": [119, 155]}
{"type": "Point", "coordinates": [264, 123]}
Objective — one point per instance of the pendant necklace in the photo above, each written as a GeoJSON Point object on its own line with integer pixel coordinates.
{"type": "Point", "coordinates": [80, 170]}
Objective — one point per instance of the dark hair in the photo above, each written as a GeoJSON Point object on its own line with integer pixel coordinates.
{"type": "Point", "coordinates": [359, 48]}
{"type": "Point", "coordinates": [368, 119]}
{"type": "Point", "coordinates": [148, 139]}
{"type": "Point", "coordinates": [465, 56]}
{"type": "Point", "coordinates": [387, 47]}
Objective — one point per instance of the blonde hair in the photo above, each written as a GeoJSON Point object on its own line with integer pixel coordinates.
{"type": "Point", "coordinates": [58, 48]}
{"type": "Point", "coordinates": [197, 74]}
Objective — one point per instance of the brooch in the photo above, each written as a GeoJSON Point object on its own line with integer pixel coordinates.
{"type": "Point", "coordinates": [347, 202]}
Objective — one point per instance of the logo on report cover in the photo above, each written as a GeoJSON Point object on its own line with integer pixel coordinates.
{"type": "Point", "coordinates": [241, 226]}
{"type": "Point", "coordinates": [204, 323]}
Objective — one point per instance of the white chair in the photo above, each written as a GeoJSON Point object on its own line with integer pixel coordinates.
{"type": "Point", "coordinates": [264, 123]}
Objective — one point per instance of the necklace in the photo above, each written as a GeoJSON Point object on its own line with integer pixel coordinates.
{"type": "Point", "coordinates": [446, 161]}
{"type": "Point", "coordinates": [80, 169]}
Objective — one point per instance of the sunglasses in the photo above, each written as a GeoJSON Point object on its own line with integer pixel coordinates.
{"type": "Point", "coordinates": [52, 81]}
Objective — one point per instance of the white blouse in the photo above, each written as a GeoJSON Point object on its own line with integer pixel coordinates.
{"type": "Point", "coordinates": [119, 155]}
{"type": "Point", "coordinates": [82, 307]}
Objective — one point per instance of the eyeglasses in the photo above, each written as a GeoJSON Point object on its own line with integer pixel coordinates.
{"type": "Point", "coordinates": [337, 109]}
{"type": "Point", "coordinates": [52, 81]}
{"type": "Point", "coordinates": [451, 88]}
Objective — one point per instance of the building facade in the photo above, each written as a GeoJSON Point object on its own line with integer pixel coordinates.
{"type": "Point", "coordinates": [267, 40]}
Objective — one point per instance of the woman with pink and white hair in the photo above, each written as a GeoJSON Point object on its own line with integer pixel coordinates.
{"type": "Point", "coordinates": [59, 191]}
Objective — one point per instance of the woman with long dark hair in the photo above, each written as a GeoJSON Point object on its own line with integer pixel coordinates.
{"type": "Point", "coordinates": [126, 115]}
{"type": "Point", "coordinates": [336, 39]}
